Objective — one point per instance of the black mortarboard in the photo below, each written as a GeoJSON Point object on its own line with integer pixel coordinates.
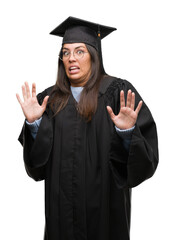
{"type": "Point", "coordinates": [77, 30]}
{"type": "Point", "coordinates": [74, 30]}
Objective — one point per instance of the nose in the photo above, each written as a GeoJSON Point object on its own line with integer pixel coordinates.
{"type": "Point", "coordinates": [72, 57]}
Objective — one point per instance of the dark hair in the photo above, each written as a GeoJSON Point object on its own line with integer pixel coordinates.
{"type": "Point", "coordinates": [88, 101]}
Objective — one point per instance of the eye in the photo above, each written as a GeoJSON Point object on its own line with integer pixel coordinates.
{"type": "Point", "coordinates": [79, 52]}
{"type": "Point", "coordinates": [66, 53]}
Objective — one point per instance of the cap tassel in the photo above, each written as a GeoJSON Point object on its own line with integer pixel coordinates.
{"type": "Point", "coordinates": [99, 50]}
{"type": "Point", "coordinates": [99, 34]}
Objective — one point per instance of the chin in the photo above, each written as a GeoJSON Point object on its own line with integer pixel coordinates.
{"type": "Point", "coordinates": [74, 78]}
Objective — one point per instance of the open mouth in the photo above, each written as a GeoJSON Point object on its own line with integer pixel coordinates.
{"type": "Point", "coordinates": [74, 69]}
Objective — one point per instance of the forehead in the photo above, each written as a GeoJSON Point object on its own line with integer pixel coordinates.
{"type": "Point", "coordinates": [73, 45]}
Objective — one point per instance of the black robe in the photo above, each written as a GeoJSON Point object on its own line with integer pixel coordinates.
{"type": "Point", "coordinates": [87, 171]}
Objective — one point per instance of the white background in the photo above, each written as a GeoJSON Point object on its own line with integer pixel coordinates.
{"type": "Point", "coordinates": [142, 51]}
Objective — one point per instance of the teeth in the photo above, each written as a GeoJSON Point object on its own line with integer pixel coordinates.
{"type": "Point", "coordinates": [71, 68]}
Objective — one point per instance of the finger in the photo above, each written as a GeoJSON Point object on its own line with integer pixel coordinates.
{"type": "Point", "coordinates": [132, 101]}
{"type": "Point", "coordinates": [128, 103]}
{"type": "Point", "coordinates": [44, 104]}
{"type": "Point", "coordinates": [110, 111]}
{"type": "Point", "coordinates": [27, 90]}
{"type": "Point", "coordinates": [19, 99]}
{"type": "Point", "coordinates": [122, 99]}
{"type": "Point", "coordinates": [139, 107]}
{"type": "Point", "coordinates": [33, 90]}
{"type": "Point", "coordinates": [24, 93]}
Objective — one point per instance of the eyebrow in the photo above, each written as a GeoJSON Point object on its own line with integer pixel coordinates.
{"type": "Point", "coordinates": [74, 48]}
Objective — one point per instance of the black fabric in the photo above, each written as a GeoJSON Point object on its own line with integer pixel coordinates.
{"type": "Point", "coordinates": [81, 34]}
{"type": "Point", "coordinates": [71, 22]}
{"type": "Point", "coordinates": [88, 174]}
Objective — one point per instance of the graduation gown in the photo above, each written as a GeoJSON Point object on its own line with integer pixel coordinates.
{"type": "Point", "coordinates": [87, 171]}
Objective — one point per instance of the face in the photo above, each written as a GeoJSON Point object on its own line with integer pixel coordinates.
{"type": "Point", "coordinates": [77, 65]}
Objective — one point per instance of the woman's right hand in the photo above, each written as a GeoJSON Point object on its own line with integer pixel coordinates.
{"type": "Point", "coordinates": [31, 108]}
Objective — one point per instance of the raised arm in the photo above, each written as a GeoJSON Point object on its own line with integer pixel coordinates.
{"type": "Point", "coordinates": [36, 152]}
{"type": "Point", "coordinates": [140, 162]}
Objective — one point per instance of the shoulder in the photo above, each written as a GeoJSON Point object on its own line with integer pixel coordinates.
{"type": "Point", "coordinates": [110, 87]}
{"type": "Point", "coordinates": [110, 83]}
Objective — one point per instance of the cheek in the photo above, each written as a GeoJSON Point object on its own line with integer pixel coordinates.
{"type": "Point", "coordinates": [66, 68]}
{"type": "Point", "coordinates": [87, 65]}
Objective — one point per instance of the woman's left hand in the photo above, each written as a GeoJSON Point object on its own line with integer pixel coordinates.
{"type": "Point", "coordinates": [127, 116]}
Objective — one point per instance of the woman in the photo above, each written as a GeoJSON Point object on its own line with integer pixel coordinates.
{"type": "Point", "coordinates": [89, 143]}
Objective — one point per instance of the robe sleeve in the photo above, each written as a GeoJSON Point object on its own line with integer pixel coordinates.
{"type": "Point", "coordinates": [36, 152]}
{"type": "Point", "coordinates": [34, 127]}
{"type": "Point", "coordinates": [140, 162]}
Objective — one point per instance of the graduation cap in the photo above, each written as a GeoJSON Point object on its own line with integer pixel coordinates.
{"type": "Point", "coordinates": [75, 30]}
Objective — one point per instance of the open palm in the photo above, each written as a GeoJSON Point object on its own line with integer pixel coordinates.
{"type": "Point", "coordinates": [30, 106]}
{"type": "Point", "coordinates": [127, 116]}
